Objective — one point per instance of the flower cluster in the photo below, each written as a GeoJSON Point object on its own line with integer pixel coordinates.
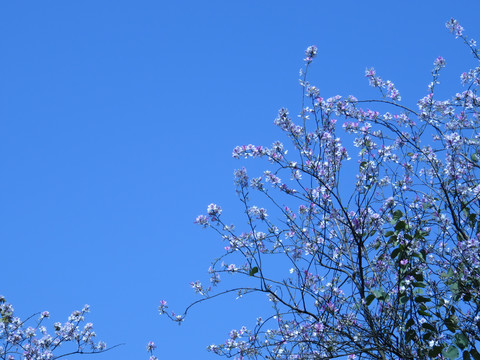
{"type": "Point", "coordinates": [36, 343]}
{"type": "Point", "coordinates": [376, 81]}
{"type": "Point", "coordinates": [311, 53]}
{"type": "Point", "coordinates": [454, 27]}
{"type": "Point", "coordinates": [150, 348]}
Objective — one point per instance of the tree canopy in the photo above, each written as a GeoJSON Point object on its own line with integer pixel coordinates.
{"type": "Point", "coordinates": [382, 265]}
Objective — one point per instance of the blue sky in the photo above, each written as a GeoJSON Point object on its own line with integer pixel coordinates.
{"type": "Point", "coordinates": [117, 124]}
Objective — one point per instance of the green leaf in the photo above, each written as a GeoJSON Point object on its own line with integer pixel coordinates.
{"type": "Point", "coordinates": [435, 351]}
{"type": "Point", "coordinates": [423, 252]}
{"type": "Point", "coordinates": [472, 218]}
{"type": "Point", "coordinates": [369, 299]}
{"type": "Point", "coordinates": [424, 313]}
{"type": "Point", "coordinates": [410, 335]}
{"type": "Point", "coordinates": [466, 355]}
{"type": "Point", "coordinates": [397, 215]}
{"type": "Point", "coordinates": [429, 327]}
{"type": "Point", "coordinates": [451, 323]}
{"type": "Point", "coordinates": [419, 284]}
{"type": "Point", "coordinates": [389, 233]}
{"type": "Point", "coordinates": [454, 287]}
{"type": "Point", "coordinates": [396, 252]}
{"type": "Point", "coordinates": [393, 239]}
{"type": "Point", "coordinates": [418, 276]}
{"type": "Point", "coordinates": [451, 352]}
{"type": "Point", "coordinates": [449, 275]}
{"type": "Point", "coordinates": [380, 294]}
{"type": "Point", "coordinates": [401, 225]}
{"type": "Point", "coordinates": [409, 323]}
{"type": "Point", "coordinates": [419, 255]}
{"type": "Point", "coordinates": [461, 340]}
{"type": "Point", "coordinates": [403, 299]}
{"type": "Point", "coordinates": [253, 271]}
{"type": "Point", "coordinates": [474, 157]}
{"type": "Point", "coordinates": [427, 336]}
{"type": "Point", "coordinates": [421, 299]}
{"type": "Point", "coordinates": [418, 234]}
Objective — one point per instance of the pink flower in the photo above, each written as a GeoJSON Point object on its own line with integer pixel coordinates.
{"type": "Point", "coordinates": [151, 346]}
{"type": "Point", "coordinates": [214, 210]}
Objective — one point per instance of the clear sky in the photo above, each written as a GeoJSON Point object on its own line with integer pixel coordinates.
{"type": "Point", "coordinates": [117, 122]}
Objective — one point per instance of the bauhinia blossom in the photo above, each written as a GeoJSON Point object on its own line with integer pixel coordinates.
{"type": "Point", "coordinates": [373, 212]}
